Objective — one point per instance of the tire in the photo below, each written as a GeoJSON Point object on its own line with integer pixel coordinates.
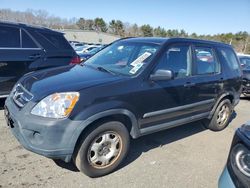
{"type": "Point", "coordinates": [103, 149]}
{"type": "Point", "coordinates": [221, 116]}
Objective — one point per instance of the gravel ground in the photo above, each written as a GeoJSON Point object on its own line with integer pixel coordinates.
{"type": "Point", "coordinates": [186, 156]}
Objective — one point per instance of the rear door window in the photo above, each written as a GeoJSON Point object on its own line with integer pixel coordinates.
{"type": "Point", "coordinates": [9, 37]}
{"type": "Point", "coordinates": [205, 61]}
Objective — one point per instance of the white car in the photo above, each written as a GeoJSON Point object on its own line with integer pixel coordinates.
{"type": "Point", "coordinates": [85, 49]}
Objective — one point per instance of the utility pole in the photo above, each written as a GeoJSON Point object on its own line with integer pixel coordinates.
{"type": "Point", "coordinates": [231, 40]}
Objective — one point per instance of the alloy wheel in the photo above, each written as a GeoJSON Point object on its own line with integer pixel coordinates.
{"type": "Point", "coordinates": [104, 150]}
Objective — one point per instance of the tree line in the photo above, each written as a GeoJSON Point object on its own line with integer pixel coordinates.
{"type": "Point", "coordinates": [239, 40]}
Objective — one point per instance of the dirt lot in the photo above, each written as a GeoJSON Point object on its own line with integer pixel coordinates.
{"type": "Point", "coordinates": [186, 156]}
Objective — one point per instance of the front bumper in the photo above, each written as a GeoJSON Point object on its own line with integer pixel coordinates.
{"type": "Point", "coordinates": [225, 180]}
{"type": "Point", "coordinates": [48, 137]}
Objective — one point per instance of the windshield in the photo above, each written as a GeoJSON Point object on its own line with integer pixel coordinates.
{"type": "Point", "coordinates": [125, 58]}
{"type": "Point", "coordinates": [245, 63]}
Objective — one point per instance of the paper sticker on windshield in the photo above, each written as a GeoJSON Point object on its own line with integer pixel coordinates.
{"type": "Point", "coordinates": [136, 68]}
{"type": "Point", "coordinates": [141, 58]}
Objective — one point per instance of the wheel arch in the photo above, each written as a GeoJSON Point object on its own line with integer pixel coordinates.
{"type": "Point", "coordinates": [228, 95]}
{"type": "Point", "coordinates": [123, 115]}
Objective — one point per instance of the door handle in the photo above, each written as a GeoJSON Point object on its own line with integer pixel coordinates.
{"type": "Point", "coordinates": [189, 84]}
{"type": "Point", "coordinates": [35, 56]}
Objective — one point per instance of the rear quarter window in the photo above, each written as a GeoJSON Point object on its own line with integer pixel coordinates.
{"type": "Point", "coordinates": [228, 56]}
{"type": "Point", "coordinates": [9, 37]}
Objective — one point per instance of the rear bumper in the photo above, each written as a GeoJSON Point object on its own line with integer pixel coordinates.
{"type": "Point", "coordinates": [225, 180]}
{"type": "Point", "coordinates": [48, 137]}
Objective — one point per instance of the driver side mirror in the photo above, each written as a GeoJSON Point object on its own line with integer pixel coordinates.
{"type": "Point", "coordinates": [162, 75]}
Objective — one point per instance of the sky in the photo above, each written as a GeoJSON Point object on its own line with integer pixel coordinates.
{"type": "Point", "coordinates": [200, 16]}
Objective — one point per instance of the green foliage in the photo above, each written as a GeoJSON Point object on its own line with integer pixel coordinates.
{"type": "Point", "coordinates": [160, 32]}
{"type": "Point", "coordinates": [117, 27]}
{"type": "Point", "coordinates": [81, 23]}
{"type": "Point", "coordinates": [100, 25]}
{"type": "Point", "coordinates": [85, 24]}
{"type": "Point", "coordinates": [147, 30]}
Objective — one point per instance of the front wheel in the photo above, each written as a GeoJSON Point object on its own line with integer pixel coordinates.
{"type": "Point", "coordinates": [103, 149]}
{"type": "Point", "coordinates": [221, 116]}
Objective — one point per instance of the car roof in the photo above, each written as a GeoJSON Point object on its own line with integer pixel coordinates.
{"type": "Point", "coordinates": [162, 40]}
{"type": "Point", "coordinates": [155, 40]}
{"type": "Point", "coordinates": [27, 26]}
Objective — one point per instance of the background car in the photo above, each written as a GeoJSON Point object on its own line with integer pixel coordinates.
{"type": "Point", "coordinates": [78, 45]}
{"type": "Point", "coordinates": [85, 49]}
{"type": "Point", "coordinates": [245, 64]}
{"type": "Point", "coordinates": [244, 59]}
{"type": "Point", "coordinates": [237, 170]}
{"type": "Point", "coordinates": [73, 42]}
{"type": "Point", "coordinates": [85, 56]}
{"type": "Point", "coordinates": [26, 48]}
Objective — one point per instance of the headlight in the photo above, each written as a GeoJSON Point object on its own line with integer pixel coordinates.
{"type": "Point", "coordinates": [58, 105]}
{"type": "Point", "coordinates": [242, 159]}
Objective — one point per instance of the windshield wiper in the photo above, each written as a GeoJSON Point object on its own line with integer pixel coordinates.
{"type": "Point", "coordinates": [105, 70]}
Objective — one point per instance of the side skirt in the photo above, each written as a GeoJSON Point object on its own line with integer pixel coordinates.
{"type": "Point", "coordinates": [168, 125]}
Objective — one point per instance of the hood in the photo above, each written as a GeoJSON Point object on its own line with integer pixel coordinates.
{"type": "Point", "coordinates": [67, 78]}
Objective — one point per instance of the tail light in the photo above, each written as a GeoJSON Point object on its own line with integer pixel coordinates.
{"type": "Point", "coordinates": [75, 60]}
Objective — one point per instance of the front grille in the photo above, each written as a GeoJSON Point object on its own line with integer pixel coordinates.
{"type": "Point", "coordinates": [21, 96]}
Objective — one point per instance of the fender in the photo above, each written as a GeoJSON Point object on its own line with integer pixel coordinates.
{"type": "Point", "coordinates": [219, 100]}
{"type": "Point", "coordinates": [134, 129]}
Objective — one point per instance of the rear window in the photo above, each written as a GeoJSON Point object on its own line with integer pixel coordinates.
{"type": "Point", "coordinates": [54, 41]}
{"type": "Point", "coordinates": [9, 37]}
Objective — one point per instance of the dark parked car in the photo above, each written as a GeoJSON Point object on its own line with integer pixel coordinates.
{"type": "Point", "coordinates": [237, 170]}
{"type": "Point", "coordinates": [245, 64]}
{"type": "Point", "coordinates": [131, 88]}
{"type": "Point", "coordinates": [25, 48]}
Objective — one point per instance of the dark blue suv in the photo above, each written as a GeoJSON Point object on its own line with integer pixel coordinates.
{"type": "Point", "coordinates": [131, 88]}
{"type": "Point", "coordinates": [25, 48]}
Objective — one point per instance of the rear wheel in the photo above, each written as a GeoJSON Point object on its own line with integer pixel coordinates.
{"type": "Point", "coordinates": [221, 116]}
{"type": "Point", "coordinates": [103, 149]}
